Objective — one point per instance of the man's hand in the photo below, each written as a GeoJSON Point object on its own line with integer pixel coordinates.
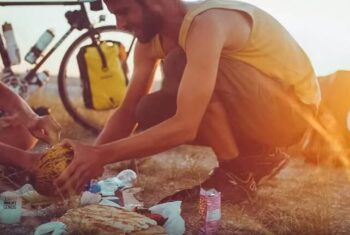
{"type": "Point", "coordinates": [45, 128]}
{"type": "Point", "coordinates": [86, 165]}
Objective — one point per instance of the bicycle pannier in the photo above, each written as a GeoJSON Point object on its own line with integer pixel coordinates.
{"type": "Point", "coordinates": [102, 75]}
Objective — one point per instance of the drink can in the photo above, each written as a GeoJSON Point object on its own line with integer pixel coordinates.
{"type": "Point", "coordinates": [10, 208]}
{"type": "Point", "coordinates": [209, 211]}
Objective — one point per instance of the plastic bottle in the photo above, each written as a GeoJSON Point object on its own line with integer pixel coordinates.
{"type": "Point", "coordinates": [125, 179]}
{"type": "Point", "coordinates": [42, 78]}
{"type": "Point", "coordinates": [94, 187]}
{"type": "Point", "coordinates": [92, 194]}
{"type": "Point", "coordinates": [39, 46]}
{"type": "Point", "coordinates": [11, 44]}
{"type": "Point", "coordinates": [4, 56]}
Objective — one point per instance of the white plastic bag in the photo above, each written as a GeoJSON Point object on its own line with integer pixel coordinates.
{"type": "Point", "coordinates": [57, 228]}
{"type": "Point", "coordinates": [175, 224]}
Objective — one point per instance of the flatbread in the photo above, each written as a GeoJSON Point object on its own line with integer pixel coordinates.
{"type": "Point", "coordinates": [106, 220]}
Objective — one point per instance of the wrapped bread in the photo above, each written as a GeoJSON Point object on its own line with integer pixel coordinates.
{"type": "Point", "coordinates": [106, 220]}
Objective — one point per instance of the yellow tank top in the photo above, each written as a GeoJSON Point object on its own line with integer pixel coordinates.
{"type": "Point", "coordinates": [270, 49]}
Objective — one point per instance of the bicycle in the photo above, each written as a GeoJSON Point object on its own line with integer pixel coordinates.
{"type": "Point", "coordinates": [67, 80]}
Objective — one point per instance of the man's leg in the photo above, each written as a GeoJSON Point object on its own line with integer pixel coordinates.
{"type": "Point", "coordinates": [155, 108]}
{"type": "Point", "coordinates": [161, 105]}
{"type": "Point", "coordinates": [215, 130]}
{"type": "Point", "coordinates": [234, 151]}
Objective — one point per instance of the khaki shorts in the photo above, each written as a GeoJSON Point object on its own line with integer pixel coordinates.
{"type": "Point", "coordinates": [256, 108]}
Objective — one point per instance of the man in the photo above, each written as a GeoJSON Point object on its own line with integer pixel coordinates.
{"type": "Point", "coordinates": [246, 86]}
{"type": "Point", "coordinates": [20, 128]}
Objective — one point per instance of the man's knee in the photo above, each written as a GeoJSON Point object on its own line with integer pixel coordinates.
{"type": "Point", "coordinates": [154, 108]}
{"type": "Point", "coordinates": [173, 68]}
{"type": "Point", "coordinates": [161, 105]}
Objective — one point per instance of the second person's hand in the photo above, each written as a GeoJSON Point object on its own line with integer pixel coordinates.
{"type": "Point", "coordinates": [45, 128]}
{"type": "Point", "coordinates": [87, 164]}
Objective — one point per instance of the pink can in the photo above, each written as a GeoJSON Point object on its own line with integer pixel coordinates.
{"type": "Point", "coordinates": [209, 211]}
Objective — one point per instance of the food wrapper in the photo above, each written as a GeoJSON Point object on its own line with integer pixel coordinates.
{"type": "Point", "coordinates": [128, 198]}
{"type": "Point", "coordinates": [209, 211]}
{"type": "Point", "coordinates": [175, 224]}
{"type": "Point", "coordinates": [88, 198]}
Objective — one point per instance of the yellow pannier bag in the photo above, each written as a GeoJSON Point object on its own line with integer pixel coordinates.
{"type": "Point", "coordinates": [103, 78]}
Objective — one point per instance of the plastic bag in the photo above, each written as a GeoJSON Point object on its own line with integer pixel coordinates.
{"type": "Point", "coordinates": [175, 224]}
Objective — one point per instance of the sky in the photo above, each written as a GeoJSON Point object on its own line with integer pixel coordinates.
{"type": "Point", "coordinates": [321, 27]}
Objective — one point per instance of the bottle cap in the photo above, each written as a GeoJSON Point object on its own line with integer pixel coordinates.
{"type": "Point", "coordinates": [95, 188]}
{"type": "Point", "coordinates": [6, 27]}
{"type": "Point", "coordinates": [51, 31]}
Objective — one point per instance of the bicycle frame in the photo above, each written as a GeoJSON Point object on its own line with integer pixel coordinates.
{"type": "Point", "coordinates": [77, 19]}
{"type": "Point", "coordinates": [33, 71]}
{"type": "Point", "coordinates": [28, 77]}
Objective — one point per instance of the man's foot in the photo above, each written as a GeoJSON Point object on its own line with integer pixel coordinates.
{"type": "Point", "coordinates": [266, 166]}
{"type": "Point", "coordinates": [232, 188]}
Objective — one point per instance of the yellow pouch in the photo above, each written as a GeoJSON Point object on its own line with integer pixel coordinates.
{"type": "Point", "coordinates": [104, 85]}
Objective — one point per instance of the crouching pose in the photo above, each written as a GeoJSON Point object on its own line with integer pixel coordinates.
{"type": "Point", "coordinates": [235, 80]}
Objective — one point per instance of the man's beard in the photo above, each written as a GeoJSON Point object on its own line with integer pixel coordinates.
{"type": "Point", "coordinates": [152, 24]}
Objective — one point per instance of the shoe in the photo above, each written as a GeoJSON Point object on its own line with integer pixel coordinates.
{"type": "Point", "coordinates": [233, 188]}
{"type": "Point", "coordinates": [266, 166]}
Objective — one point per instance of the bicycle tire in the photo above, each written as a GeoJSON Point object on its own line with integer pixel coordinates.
{"type": "Point", "coordinates": [79, 114]}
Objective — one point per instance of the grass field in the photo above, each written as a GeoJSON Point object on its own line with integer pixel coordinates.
{"type": "Point", "coordinates": [301, 199]}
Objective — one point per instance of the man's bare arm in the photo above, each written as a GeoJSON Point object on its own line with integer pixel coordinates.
{"type": "Point", "coordinates": [12, 103]}
{"type": "Point", "coordinates": [122, 122]}
{"type": "Point", "coordinates": [196, 88]}
{"type": "Point", "coordinates": [19, 113]}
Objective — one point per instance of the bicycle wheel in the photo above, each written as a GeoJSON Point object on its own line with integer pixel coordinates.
{"type": "Point", "coordinates": [69, 83]}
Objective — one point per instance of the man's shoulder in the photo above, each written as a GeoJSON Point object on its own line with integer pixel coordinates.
{"type": "Point", "coordinates": [220, 18]}
{"type": "Point", "coordinates": [230, 25]}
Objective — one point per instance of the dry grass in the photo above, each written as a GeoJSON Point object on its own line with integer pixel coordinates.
{"type": "Point", "coordinates": [302, 199]}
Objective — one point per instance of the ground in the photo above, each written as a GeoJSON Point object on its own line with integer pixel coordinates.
{"type": "Point", "coordinates": [301, 199]}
